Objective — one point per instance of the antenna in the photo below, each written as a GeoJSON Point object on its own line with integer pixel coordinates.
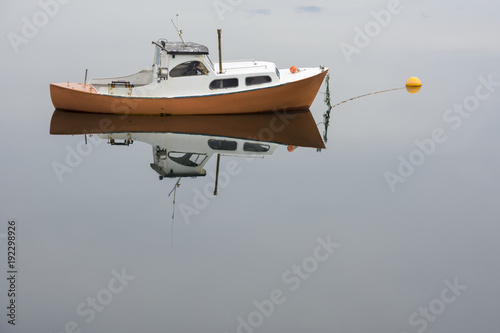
{"type": "Point", "coordinates": [179, 31]}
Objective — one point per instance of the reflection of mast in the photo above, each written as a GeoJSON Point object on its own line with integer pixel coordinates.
{"type": "Point", "coordinates": [217, 175]}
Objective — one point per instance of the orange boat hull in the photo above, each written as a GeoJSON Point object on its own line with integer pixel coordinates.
{"type": "Point", "coordinates": [290, 96]}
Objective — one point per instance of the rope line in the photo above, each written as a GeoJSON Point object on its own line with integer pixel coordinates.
{"type": "Point", "coordinates": [326, 115]}
{"type": "Point", "coordinates": [373, 93]}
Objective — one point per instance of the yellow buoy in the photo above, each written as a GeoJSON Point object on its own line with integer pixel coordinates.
{"type": "Point", "coordinates": [413, 85]}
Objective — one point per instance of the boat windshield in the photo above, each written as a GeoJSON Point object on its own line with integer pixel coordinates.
{"type": "Point", "coordinates": [210, 62]}
{"type": "Point", "coordinates": [187, 159]}
{"type": "Point", "coordinates": [189, 68]}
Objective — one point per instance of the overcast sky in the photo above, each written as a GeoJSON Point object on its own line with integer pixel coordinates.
{"type": "Point", "coordinates": [406, 193]}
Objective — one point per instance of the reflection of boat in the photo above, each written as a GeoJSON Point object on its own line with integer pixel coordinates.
{"type": "Point", "coordinates": [289, 128]}
{"type": "Point", "coordinates": [183, 80]}
{"type": "Point", "coordinates": [182, 145]}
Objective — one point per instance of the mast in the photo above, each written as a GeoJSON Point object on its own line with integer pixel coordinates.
{"type": "Point", "coordinates": [219, 33]}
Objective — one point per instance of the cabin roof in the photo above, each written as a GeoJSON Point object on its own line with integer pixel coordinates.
{"type": "Point", "coordinates": [189, 48]}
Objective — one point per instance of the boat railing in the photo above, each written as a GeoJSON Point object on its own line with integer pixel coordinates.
{"type": "Point", "coordinates": [239, 60]}
{"type": "Point", "coordinates": [243, 67]}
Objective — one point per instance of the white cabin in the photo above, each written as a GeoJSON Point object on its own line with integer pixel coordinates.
{"type": "Point", "coordinates": [181, 70]}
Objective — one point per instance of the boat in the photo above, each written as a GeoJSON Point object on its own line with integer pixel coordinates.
{"type": "Point", "coordinates": [184, 81]}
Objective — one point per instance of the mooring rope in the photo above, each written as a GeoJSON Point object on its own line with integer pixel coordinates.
{"type": "Point", "coordinates": [373, 93]}
{"type": "Point", "coordinates": [326, 115]}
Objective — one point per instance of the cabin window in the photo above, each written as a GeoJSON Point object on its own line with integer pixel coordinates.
{"type": "Point", "coordinates": [222, 144]}
{"type": "Point", "coordinates": [256, 147]}
{"type": "Point", "coordinates": [253, 80]}
{"type": "Point", "coordinates": [224, 83]}
{"type": "Point", "coordinates": [278, 72]}
{"type": "Point", "coordinates": [187, 159]}
{"type": "Point", "coordinates": [189, 68]}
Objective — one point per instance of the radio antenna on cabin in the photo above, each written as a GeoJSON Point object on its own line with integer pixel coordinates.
{"type": "Point", "coordinates": [179, 31]}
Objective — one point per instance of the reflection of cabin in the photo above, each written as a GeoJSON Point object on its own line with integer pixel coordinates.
{"type": "Point", "coordinates": [185, 155]}
{"type": "Point", "coordinates": [186, 70]}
